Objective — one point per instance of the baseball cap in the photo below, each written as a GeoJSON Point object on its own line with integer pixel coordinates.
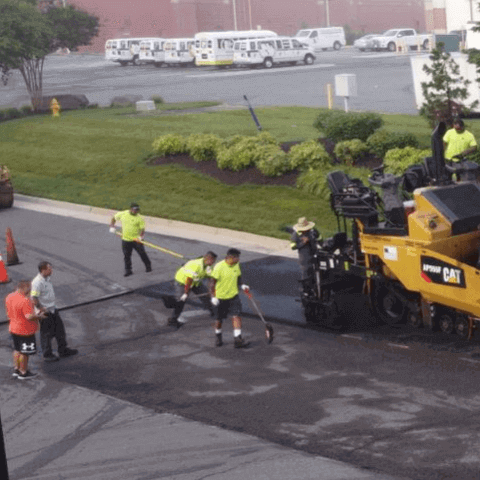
{"type": "Point", "coordinates": [135, 206]}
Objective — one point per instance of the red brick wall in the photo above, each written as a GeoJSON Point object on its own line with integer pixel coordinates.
{"type": "Point", "coordinates": [187, 17]}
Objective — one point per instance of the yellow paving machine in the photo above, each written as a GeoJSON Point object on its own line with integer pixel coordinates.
{"type": "Point", "coordinates": [418, 261]}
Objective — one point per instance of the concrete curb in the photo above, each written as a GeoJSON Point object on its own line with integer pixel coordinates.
{"type": "Point", "coordinates": [162, 226]}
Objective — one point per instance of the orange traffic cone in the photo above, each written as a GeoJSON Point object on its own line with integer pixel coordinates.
{"type": "Point", "coordinates": [12, 257]}
{"type": "Point", "coordinates": [3, 272]}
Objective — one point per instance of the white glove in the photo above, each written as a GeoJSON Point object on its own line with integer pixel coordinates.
{"type": "Point", "coordinates": [184, 297]}
{"type": "Point", "coordinates": [113, 230]}
{"type": "Point", "coordinates": [245, 288]}
{"type": "Point", "coordinates": [215, 301]}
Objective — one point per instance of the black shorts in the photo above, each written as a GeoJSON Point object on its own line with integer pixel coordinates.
{"type": "Point", "coordinates": [231, 307]}
{"type": "Point", "coordinates": [25, 345]}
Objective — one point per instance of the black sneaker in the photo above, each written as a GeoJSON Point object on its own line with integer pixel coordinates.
{"type": "Point", "coordinates": [173, 322]}
{"type": "Point", "coordinates": [127, 274]}
{"type": "Point", "coordinates": [15, 372]}
{"type": "Point", "coordinates": [218, 340]}
{"type": "Point", "coordinates": [148, 269]}
{"type": "Point", "coordinates": [240, 342]}
{"type": "Point", "coordinates": [50, 358]}
{"type": "Point", "coordinates": [26, 376]}
{"type": "Point", "coordinates": [68, 352]}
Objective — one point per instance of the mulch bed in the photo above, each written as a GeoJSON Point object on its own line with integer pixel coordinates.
{"type": "Point", "coordinates": [249, 175]}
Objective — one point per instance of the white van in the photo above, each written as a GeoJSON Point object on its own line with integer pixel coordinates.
{"type": "Point", "coordinates": [123, 50]}
{"type": "Point", "coordinates": [180, 51]}
{"type": "Point", "coordinates": [152, 51]}
{"type": "Point", "coordinates": [271, 51]}
{"type": "Point", "coordinates": [323, 38]}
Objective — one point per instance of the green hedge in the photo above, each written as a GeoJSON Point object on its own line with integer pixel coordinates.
{"type": "Point", "coordinates": [338, 125]}
{"type": "Point", "coordinates": [383, 140]}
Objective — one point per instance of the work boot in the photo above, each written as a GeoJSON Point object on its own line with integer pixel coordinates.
{"type": "Point", "coordinates": [148, 269]}
{"type": "Point", "coordinates": [128, 273]}
{"type": "Point", "coordinates": [173, 322]}
{"type": "Point", "coordinates": [240, 342]}
{"type": "Point", "coordinates": [218, 340]}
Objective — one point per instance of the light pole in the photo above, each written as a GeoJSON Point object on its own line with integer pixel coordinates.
{"type": "Point", "coordinates": [250, 12]}
{"type": "Point", "coordinates": [327, 12]}
{"type": "Point", "coordinates": [234, 15]}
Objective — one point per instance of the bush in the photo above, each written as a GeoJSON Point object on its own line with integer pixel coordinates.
{"type": "Point", "coordinates": [383, 140]}
{"type": "Point", "coordinates": [314, 181]}
{"type": "Point", "coordinates": [12, 113]}
{"type": "Point", "coordinates": [398, 160]}
{"type": "Point", "coordinates": [26, 110]}
{"type": "Point", "coordinates": [240, 152]}
{"type": "Point", "coordinates": [338, 125]}
{"type": "Point", "coordinates": [157, 99]}
{"type": "Point", "coordinates": [273, 162]}
{"type": "Point", "coordinates": [349, 151]}
{"type": "Point", "coordinates": [170, 144]}
{"type": "Point", "coordinates": [203, 147]}
{"type": "Point", "coordinates": [308, 155]}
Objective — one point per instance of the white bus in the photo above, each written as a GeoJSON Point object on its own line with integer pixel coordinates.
{"type": "Point", "coordinates": [123, 50]}
{"type": "Point", "coordinates": [271, 51]}
{"type": "Point", "coordinates": [216, 48]}
{"type": "Point", "coordinates": [322, 38]}
{"type": "Point", "coordinates": [152, 51]}
{"type": "Point", "coordinates": [180, 51]}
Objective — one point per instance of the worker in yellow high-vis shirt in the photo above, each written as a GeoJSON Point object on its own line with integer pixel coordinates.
{"type": "Point", "coordinates": [190, 278]}
{"type": "Point", "coordinates": [133, 232]}
{"type": "Point", "coordinates": [458, 142]}
{"type": "Point", "coordinates": [226, 283]}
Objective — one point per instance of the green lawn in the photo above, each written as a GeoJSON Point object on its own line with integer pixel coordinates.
{"type": "Point", "coordinates": [98, 157]}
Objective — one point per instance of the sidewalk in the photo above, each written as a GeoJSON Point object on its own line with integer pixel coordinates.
{"type": "Point", "coordinates": [56, 430]}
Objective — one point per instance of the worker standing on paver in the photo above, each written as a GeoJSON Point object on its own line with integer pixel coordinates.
{"type": "Point", "coordinates": [190, 278]}
{"type": "Point", "coordinates": [226, 282]}
{"type": "Point", "coordinates": [133, 233]}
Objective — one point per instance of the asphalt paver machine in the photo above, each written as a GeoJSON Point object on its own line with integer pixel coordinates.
{"type": "Point", "coordinates": [417, 261]}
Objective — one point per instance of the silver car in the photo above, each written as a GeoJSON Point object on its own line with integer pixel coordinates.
{"type": "Point", "coordinates": [365, 42]}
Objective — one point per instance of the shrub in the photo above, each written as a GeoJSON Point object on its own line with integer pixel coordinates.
{"type": "Point", "coordinates": [157, 99]}
{"type": "Point", "coordinates": [12, 113]}
{"type": "Point", "coordinates": [240, 152]}
{"type": "Point", "coordinates": [26, 110]}
{"type": "Point", "coordinates": [203, 147]}
{"type": "Point", "coordinates": [349, 151]}
{"type": "Point", "coordinates": [308, 155]}
{"type": "Point", "coordinates": [382, 140]}
{"type": "Point", "coordinates": [170, 144]}
{"type": "Point", "coordinates": [273, 162]}
{"type": "Point", "coordinates": [338, 125]}
{"type": "Point", "coordinates": [314, 181]}
{"type": "Point", "coordinates": [398, 160]}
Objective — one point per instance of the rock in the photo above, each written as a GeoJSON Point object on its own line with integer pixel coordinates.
{"type": "Point", "coordinates": [145, 105]}
{"type": "Point", "coordinates": [126, 100]}
{"type": "Point", "coordinates": [67, 102]}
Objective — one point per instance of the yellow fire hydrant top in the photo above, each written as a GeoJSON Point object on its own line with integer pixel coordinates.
{"type": "Point", "coordinates": [55, 107]}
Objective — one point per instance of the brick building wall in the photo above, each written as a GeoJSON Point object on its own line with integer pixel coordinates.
{"type": "Point", "coordinates": [179, 18]}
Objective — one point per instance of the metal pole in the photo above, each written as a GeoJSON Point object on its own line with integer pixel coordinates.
{"type": "Point", "coordinates": [250, 13]}
{"type": "Point", "coordinates": [234, 15]}
{"type": "Point", "coordinates": [3, 456]}
{"type": "Point", "coordinates": [327, 12]}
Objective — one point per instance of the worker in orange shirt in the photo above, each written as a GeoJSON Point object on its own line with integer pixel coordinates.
{"type": "Point", "coordinates": [23, 326]}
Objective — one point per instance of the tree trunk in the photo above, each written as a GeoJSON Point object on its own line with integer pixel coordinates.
{"type": "Point", "coordinates": [32, 72]}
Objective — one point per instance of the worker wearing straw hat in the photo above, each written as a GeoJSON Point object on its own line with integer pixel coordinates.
{"type": "Point", "coordinates": [305, 238]}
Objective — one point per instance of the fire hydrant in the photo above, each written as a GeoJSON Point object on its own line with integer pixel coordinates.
{"type": "Point", "coordinates": [55, 107]}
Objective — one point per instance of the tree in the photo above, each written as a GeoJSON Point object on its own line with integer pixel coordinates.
{"type": "Point", "coordinates": [447, 90]}
{"type": "Point", "coordinates": [28, 35]}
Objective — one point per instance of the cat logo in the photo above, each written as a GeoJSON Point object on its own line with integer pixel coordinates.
{"type": "Point", "coordinates": [437, 271]}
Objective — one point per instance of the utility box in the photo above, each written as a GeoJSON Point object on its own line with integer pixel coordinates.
{"type": "Point", "coordinates": [451, 43]}
{"type": "Point", "coordinates": [346, 85]}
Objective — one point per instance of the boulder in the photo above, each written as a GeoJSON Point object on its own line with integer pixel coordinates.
{"type": "Point", "coordinates": [67, 102]}
{"type": "Point", "coordinates": [126, 100]}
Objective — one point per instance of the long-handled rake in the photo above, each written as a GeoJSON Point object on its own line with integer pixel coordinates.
{"type": "Point", "coordinates": [268, 327]}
